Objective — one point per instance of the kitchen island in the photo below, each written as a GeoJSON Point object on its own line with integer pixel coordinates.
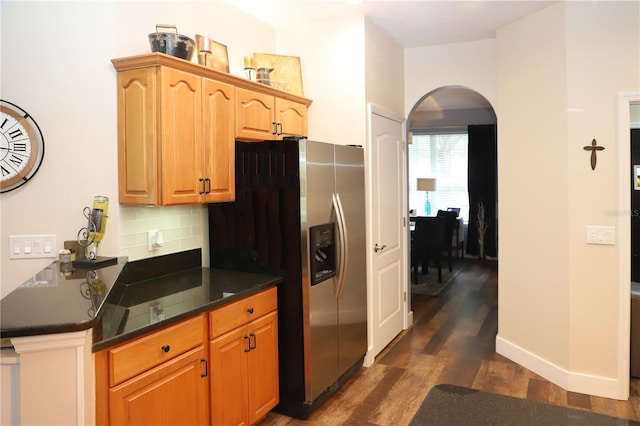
{"type": "Point", "coordinates": [57, 322]}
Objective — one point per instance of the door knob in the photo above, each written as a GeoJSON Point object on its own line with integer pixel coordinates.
{"type": "Point", "coordinates": [378, 248]}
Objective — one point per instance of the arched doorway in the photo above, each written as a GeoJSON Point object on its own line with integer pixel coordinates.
{"type": "Point", "coordinates": [457, 115]}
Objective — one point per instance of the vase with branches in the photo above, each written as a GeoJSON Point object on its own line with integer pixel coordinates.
{"type": "Point", "coordinates": [481, 224]}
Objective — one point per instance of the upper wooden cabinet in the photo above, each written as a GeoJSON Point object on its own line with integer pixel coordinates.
{"type": "Point", "coordinates": [177, 123]}
{"type": "Point", "coordinates": [175, 138]}
{"type": "Point", "coordinates": [261, 116]}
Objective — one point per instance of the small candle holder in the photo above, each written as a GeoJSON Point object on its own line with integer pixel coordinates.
{"type": "Point", "coordinates": [249, 68]}
{"type": "Point", "coordinates": [251, 73]}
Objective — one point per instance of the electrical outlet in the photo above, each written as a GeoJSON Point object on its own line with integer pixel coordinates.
{"type": "Point", "coordinates": [155, 239]}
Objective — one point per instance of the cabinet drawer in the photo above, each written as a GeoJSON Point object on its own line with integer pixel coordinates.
{"type": "Point", "coordinates": [241, 312]}
{"type": "Point", "coordinates": [153, 349]}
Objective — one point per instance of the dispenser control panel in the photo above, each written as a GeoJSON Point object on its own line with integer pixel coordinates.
{"type": "Point", "coordinates": [322, 245]}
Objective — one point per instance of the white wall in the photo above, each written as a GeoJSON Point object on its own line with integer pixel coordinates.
{"type": "Point", "coordinates": [471, 64]}
{"type": "Point", "coordinates": [533, 186]}
{"type": "Point", "coordinates": [384, 64]}
{"type": "Point", "coordinates": [333, 65]}
{"type": "Point", "coordinates": [560, 72]}
{"type": "Point", "coordinates": [56, 65]}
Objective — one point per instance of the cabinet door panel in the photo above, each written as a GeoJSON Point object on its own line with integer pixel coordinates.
{"type": "Point", "coordinates": [229, 378]}
{"type": "Point", "coordinates": [255, 115]}
{"type": "Point", "coordinates": [263, 366]}
{"type": "Point", "coordinates": [181, 145]}
{"type": "Point", "coordinates": [173, 393]}
{"type": "Point", "coordinates": [218, 105]}
{"type": "Point", "coordinates": [292, 117]}
{"type": "Point", "coordinates": [137, 154]}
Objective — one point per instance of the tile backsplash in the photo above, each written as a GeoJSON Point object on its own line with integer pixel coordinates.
{"type": "Point", "coordinates": [181, 226]}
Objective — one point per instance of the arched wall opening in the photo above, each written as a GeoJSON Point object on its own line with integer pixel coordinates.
{"type": "Point", "coordinates": [435, 128]}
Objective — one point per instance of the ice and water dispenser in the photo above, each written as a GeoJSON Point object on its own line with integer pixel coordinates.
{"type": "Point", "coordinates": [323, 247]}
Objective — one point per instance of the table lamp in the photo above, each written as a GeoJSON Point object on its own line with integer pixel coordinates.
{"type": "Point", "coordinates": [427, 185]}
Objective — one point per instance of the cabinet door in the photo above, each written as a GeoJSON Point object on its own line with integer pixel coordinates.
{"type": "Point", "coordinates": [174, 393]}
{"type": "Point", "coordinates": [255, 115]}
{"type": "Point", "coordinates": [228, 355]}
{"type": "Point", "coordinates": [181, 129]}
{"type": "Point", "coordinates": [291, 117]}
{"type": "Point", "coordinates": [218, 105]}
{"type": "Point", "coordinates": [137, 153]}
{"type": "Point", "coordinates": [263, 366]}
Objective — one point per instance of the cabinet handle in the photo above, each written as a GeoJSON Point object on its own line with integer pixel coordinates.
{"type": "Point", "coordinates": [166, 348]}
{"type": "Point", "coordinates": [203, 191]}
{"type": "Point", "coordinates": [250, 310]}
{"type": "Point", "coordinates": [275, 128]}
{"type": "Point", "coordinates": [255, 341]}
{"type": "Point", "coordinates": [206, 368]}
{"type": "Point", "coordinates": [248, 348]}
{"type": "Point", "coordinates": [208, 185]}
{"type": "Point", "coordinates": [279, 128]}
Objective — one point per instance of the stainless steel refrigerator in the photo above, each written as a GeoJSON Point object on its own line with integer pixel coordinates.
{"type": "Point", "coordinates": [333, 263]}
{"type": "Point", "coordinates": [300, 212]}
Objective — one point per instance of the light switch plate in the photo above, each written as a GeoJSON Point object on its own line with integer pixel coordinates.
{"type": "Point", "coordinates": [604, 235]}
{"type": "Point", "coordinates": [32, 246]}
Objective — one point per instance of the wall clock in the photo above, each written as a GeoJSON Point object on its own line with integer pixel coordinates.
{"type": "Point", "coordinates": [21, 146]}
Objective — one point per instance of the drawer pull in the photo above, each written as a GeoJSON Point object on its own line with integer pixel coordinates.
{"type": "Point", "coordinates": [166, 348]}
{"type": "Point", "coordinates": [206, 368]}
{"type": "Point", "coordinates": [250, 310]}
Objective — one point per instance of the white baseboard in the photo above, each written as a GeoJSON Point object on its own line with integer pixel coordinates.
{"type": "Point", "coordinates": [369, 359]}
{"type": "Point", "coordinates": [606, 387]}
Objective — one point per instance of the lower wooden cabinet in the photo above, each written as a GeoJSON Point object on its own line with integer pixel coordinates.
{"type": "Point", "coordinates": [244, 372]}
{"type": "Point", "coordinates": [171, 377]}
{"type": "Point", "coordinates": [174, 393]}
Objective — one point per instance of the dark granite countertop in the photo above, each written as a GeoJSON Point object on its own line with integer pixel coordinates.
{"type": "Point", "coordinates": [124, 300]}
{"type": "Point", "coordinates": [138, 308]}
{"type": "Point", "coordinates": [55, 302]}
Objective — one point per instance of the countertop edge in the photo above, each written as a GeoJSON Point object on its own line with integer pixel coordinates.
{"type": "Point", "coordinates": [43, 330]}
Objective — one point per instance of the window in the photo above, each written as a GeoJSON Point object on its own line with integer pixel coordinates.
{"type": "Point", "coordinates": [441, 156]}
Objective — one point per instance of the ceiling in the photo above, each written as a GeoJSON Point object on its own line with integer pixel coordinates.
{"type": "Point", "coordinates": [411, 24]}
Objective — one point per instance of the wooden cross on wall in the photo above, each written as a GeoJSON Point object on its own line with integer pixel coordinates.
{"type": "Point", "coordinates": [593, 148]}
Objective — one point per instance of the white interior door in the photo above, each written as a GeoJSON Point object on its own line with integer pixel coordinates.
{"type": "Point", "coordinates": [387, 247]}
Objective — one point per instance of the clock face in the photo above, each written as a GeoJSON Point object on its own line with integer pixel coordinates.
{"type": "Point", "coordinates": [21, 146]}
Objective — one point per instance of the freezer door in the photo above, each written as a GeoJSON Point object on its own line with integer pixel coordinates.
{"type": "Point", "coordinates": [317, 185]}
{"type": "Point", "coordinates": [352, 302]}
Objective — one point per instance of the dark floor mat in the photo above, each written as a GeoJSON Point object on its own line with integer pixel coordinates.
{"type": "Point", "coordinates": [454, 405]}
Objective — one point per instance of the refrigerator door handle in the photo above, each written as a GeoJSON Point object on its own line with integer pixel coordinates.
{"type": "Point", "coordinates": [342, 237]}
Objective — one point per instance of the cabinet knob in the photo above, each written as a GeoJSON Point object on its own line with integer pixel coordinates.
{"type": "Point", "coordinates": [166, 348]}
{"type": "Point", "coordinates": [250, 310]}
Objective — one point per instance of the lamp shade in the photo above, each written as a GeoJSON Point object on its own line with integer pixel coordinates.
{"type": "Point", "coordinates": [426, 184]}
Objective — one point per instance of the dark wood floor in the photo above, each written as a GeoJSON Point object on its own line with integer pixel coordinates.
{"type": "Point", "coordinates": [452, 341]}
